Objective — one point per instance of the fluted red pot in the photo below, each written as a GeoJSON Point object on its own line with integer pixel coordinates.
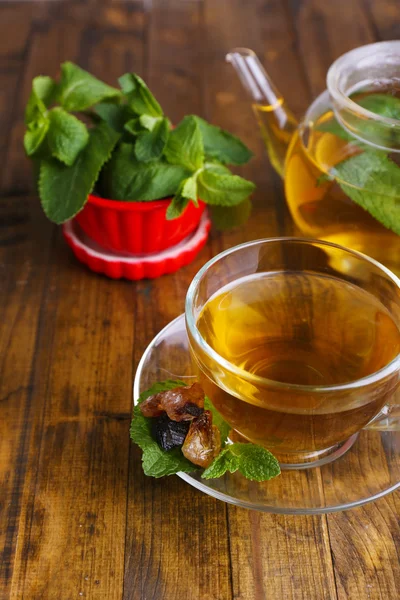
{"type": "Point", "coordinates": [136, 227]}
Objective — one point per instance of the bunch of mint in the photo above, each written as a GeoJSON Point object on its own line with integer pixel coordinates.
{"type": "Point", "coordinates": [370, 177]}
{"type": "Point", "coordinates": [254, 462]}
{"type": "Point", "coordinates": [129, 151]}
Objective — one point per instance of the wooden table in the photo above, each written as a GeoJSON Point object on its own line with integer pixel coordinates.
{"type": "Point", "coordinates": [77, 517]}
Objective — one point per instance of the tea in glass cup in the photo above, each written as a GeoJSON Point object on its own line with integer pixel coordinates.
{"type": "Point", "coordinates": [296, 342]}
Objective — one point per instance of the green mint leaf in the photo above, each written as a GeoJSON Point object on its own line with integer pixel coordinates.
{"type": "Point", "coordinates": [157, 462]}
{"type": "Point", "coordinates": [332, 126]}
{"type": "Point", "coordinates": [149, 122]}
{"type": "Point", "coordinates": [42, 95]}
{"type": "Point", "coordinates": [115, 115]}
{"type": "Point", "coordinates": [177, 206]}
{"type": "Point", "coordinates": [218, 420]}
{"type": "Point", "coordinates": [217, 167]}
{"type": "Point", "coordinates": [64, 190]}
{"type": "Point", "coordinates": [226, 218]}
{"type": "Point", "coordinates": [140, 99]}
{"type": "Point", "coordinates": [372, 181]}
{"type": "Point", "coordinates": [35, 134]}
{"type": "Point", "coordinates": [150, 144]}
{"type": "Point", "coordinates": [224, 190]}
{"type": "Point", "coordinates": [185, 145]}
{"type": "Point", "coordinates": [45, 88]}
{"type": "Point", "coordinates": [254, 462]}
{"type": "Point", "coordinates": [222, 145]}
{"type": "Point", "coordinates": [67, 136]}
{"type": "Point", "coordinates": [380, 104]}
{"type": "Point", "coordinates": [134, 126]}
{"type": "Point", "coordinates": [79, 90]}
{"type": "Point", "coordinates": [125, 178]}
{"type": "Point", "coordinates": [189, 189]}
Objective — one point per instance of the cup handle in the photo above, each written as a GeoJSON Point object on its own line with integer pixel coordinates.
{"type": "Point", "coordinates": [387, 420]}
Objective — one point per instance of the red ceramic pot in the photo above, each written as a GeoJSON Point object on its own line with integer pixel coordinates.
{"type": "Point", "coordinates": [136, 227]}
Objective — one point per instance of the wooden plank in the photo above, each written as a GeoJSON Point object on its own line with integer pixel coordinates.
{"type": "Point", "coordinates": [278, 557]}
{"type": "Point", "coordinates": [50, 44]}
{"type": "Point", "coordinates": [15, 26]}
{"type": "Point", "coordinates": [112, 37]}
{"type": "Point", "coordinates": [75, 485]}
{"type": "Point", "coordinates": [317, 25]}
{"type": "Point", "coordinates": [363, 541]}
{"type": "Point", "coordinates": [272, 557]}
{"type": "Point", "coordinates": [177, 540]}
{"type": "Point", "coordinates": [24, 258]}
{"type": "Point", "coordinates": [266, 30]}
{"type": "Point", "coordinates": [365, 544]}
{"type": "Point", "coordinates": [384, 18]}
{"type": "Point", "coordinates": [77, 454]}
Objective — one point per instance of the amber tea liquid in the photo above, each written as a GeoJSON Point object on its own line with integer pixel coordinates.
{"type": "Point", "coordinates": [319, 206]}
{"type": "Point", "coordinates": [296, 328]}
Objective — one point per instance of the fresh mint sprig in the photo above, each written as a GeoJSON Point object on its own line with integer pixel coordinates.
{"type": "Point", "coordinates": [253, 462]}
{"type": "Point", "coordinates": [213, 183]}
{"type": "Point", "coordinates": [139, 157]}
{"type": "Point", "coordinates": [369, 178]}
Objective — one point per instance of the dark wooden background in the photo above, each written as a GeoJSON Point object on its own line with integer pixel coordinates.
{"type": "Point", "coordinates": [77, 517]}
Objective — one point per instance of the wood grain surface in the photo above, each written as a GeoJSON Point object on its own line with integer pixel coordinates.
{"type": "Point", "coordinates": [77, 517]}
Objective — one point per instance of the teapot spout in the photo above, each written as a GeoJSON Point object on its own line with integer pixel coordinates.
{"type": "Point", "coordinates": [277, 123]}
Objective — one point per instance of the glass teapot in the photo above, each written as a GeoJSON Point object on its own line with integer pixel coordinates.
{"type": "Point", "coordinates": [341, 163]}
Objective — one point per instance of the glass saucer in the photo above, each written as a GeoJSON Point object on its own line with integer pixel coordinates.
{"type": "Point", "coordinates": [369, 470]}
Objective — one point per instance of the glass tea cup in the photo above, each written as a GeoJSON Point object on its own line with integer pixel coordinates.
{"type": "Point", "coordinates": [297, 343]}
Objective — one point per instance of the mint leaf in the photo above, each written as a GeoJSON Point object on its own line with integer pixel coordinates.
{"type": "Point", "coordinates": [177, 206]}
{"type": "Point", "coordinates": [157, 462]}
{"type": "Point", "coordinates": [35, 134]}
{"type": "Point", "coordinates": [217, 167]}
{"type": "Point", "coordinates": [254, 462]}
{"type": "Point", "coordinates": [45, 88]}
{"type": "Point", "coordinates": [185, 145]}
{"type": "Point", "coordinates": [149, 122]}
{"type": "Point", "coordinates": [381, 104]}
{"type": "Point", "coordinates": [133, 126]}
{"type": "Point", "coordinates": [372, 180]}
{"type": "Point", "coordinates": [42, 94]}
{"type": "Point", "coordinates": [36, 118]}
{"type": "Point", "coordinates": [226, 218]}
{"type": "Point", "coordinates": [64, 190]}
{"type": "Point", "coordinates": [79, 90]}
{"type": "Point", "coordinates": [218, 420]}
{"type": "Point", "coordinates": [115, 115]}
{"type": "Point", "coordinates": [222, 145]}
{"type": "Point", "coordinates": [125, 178]}
{"type": "Point", "coordinates": [67, 136]}
{"type": "Point", "coordinates": [150, 144]}
{"type": "Point", "coordinates": [224, 190]}
{"type": "Point", "coordinates": [189, 189]}
{"type": "Point", "coordinates": [140, 99]}
{"type": "Point", "coordinates": [333, 126]}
